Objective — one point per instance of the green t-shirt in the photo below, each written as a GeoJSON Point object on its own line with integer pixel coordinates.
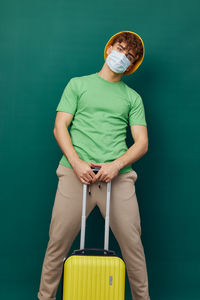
{"type": "Point", "coordinates": [102, 111]}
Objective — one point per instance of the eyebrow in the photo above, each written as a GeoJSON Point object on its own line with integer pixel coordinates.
{"type": "Point", "coordinates": [124, 49]}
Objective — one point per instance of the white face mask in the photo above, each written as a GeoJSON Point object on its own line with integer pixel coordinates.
{"type": "Point", "coordinates": [117, 62]}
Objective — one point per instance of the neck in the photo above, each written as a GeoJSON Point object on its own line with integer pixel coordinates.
{"type": "Point", "coordinates": [107, 74]}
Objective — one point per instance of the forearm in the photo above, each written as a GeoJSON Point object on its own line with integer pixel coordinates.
{"type": "Point", "coordinates": [136, 151]}
{"type": "Point", "coordinates": [64, 141]}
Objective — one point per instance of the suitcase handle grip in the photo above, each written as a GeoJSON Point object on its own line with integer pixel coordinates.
{"type": "Point", "coordinates": [82, 251]}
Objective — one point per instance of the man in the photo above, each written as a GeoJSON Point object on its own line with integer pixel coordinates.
{"type": "Point", "coordinates": [98, 108]}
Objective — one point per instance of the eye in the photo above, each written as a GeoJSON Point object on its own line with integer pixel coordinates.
{"type": "Point", "coordinates": [130, 58]}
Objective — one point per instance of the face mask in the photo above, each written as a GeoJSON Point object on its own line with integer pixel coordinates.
{"type": "Point", "coordinates": [117, 62]}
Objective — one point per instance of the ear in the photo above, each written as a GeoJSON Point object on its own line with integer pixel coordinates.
{"type": "Point", "coordinates": [129, 67]}
{"type": "Point", "coordinates": [109, 49]}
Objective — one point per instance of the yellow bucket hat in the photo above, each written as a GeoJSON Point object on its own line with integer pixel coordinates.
{"type": "Point", "coordinates": [138, 63]}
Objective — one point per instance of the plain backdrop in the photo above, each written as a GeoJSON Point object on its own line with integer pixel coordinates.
{"type": "Point", "coordinates": [42, 45]}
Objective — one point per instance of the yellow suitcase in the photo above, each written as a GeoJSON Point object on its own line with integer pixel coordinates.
{"type": "Point", "coordinates": [91, 273]}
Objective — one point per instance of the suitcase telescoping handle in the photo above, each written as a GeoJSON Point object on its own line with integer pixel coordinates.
{"type": "Point", "coordinates": [95, 250]}
{"type": "Point", "coordinates": [83, 219]}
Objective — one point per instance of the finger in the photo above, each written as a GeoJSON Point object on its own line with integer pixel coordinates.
{"type": "Point", "coordinates": [103, 178]}
{"type": "Point", "coordinates": [97, 164]}
{"type": "Point", "coordinates": [92, 174]}
{"type": "Point", "coordinates": [94, 179]}
{"type": "Point", "coordinates": [90, 163]}
{"type": "Point", "coordinates": [87, 177]}
{"type": "Point", "coordinates": [107, 179]}
{"type": "Point", "coordinates": [98, 175]}
{"type": "Point", "coordinates": [84, 181]}
{"type": "Point", "coordinates": [103, 175]}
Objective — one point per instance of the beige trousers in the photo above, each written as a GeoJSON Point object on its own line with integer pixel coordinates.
{"type": "Point", "coordinates": [66, 224]}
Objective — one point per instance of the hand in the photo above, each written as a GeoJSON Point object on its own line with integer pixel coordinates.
{"type": "Point", "coordinates": [107, 172]}
{"type": "Point", "coordinates": [83, 171]}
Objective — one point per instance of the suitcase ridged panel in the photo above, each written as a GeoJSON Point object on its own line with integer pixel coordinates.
{"type": "Point", "coordinates": [89, 277]}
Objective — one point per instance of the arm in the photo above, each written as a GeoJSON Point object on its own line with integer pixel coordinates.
{"type": "Point", "coordinates": [62, 136]}
{"type": "Point", "coordinates": [81, 168]}
{"type": "Point", "coordinates": [138, 149]}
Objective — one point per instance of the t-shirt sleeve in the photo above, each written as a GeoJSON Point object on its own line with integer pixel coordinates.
{"type": "Point", "coordinates": [137, 112]}
{"type": "Point", "coordinates": [69, 99]}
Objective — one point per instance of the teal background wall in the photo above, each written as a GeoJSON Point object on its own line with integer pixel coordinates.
{"type": "Point", "coordinates": [44, 44]}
